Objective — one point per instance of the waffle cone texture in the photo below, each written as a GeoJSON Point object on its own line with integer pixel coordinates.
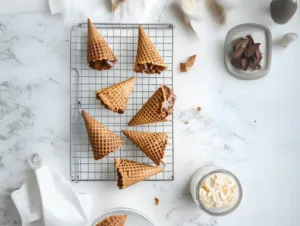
{"type": "Point", "coordinates": [152, 144]}
{"type": "Point", "coordinates": [102, 140]}
{"type": "Point", "coordinates": [147, 52]}
{"type": "Point", "coordinates": [130, 172]}
{"type": "Point", "coordinates": [99, 56]}
{"type": "Point", "coordinates": [113, 221]}
{"type": "Point", "coordinates": [115, 97]}
{"type": "Point", "coordinates": [154, 109]}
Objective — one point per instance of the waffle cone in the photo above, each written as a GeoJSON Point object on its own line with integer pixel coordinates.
{"type": "Point", "coordinates": [113, 221]}
{"type": "Point", "coordinates": [152, 144]}
{"type": "Point", "coordinates": [130, 172]}
{"type": "Point", "coordinates": [147, 52]}
{"type": "Point", "coordinates": [99, 56]}
{"type": "Point", "coordinates": [102, 140]}
{"type": "Point", "coordinates": [115, 97]}
{"type": "Point", "coordinates": [156, 109]}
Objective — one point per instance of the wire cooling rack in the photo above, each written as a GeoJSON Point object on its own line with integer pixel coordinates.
{"type": "Point", "coordinates": [84, 81]}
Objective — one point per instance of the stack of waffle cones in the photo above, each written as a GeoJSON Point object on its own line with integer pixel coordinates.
{"type": "Point", "coordinates": [154, 110]}
{"type": "Point", "coordinates": [115, 97]}
{"type": "Point", "coordinates": [130, 172]}
{"type": "Point", "coordinates": [147, 53]}
{"type": "Point", "coordinates": [113, 221]}
{"type": "Point", "coordinates": [102, 140]}
{"type": "Point", "coordinates": [152, 144]}
{"type": "Point", "coordinates": [99, 56]}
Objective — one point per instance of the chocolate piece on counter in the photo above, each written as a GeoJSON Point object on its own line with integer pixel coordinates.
{"type": "Point", "coordinates": [251, 50]}
{"type": "Point", "coordinates": [244, 63]}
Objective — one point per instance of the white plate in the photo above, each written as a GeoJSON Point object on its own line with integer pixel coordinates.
{"type": "Point", "coordinates": [134, 218]}
{"type": "Point", "coordinates": [260, 34]}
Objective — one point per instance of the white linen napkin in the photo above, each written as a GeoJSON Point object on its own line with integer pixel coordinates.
{"type": "Point", "coordinates": [128, 11]}
{"type": "Point", "coordinates": [47, 199]}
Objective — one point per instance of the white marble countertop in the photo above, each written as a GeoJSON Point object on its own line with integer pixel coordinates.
{"type": "Point", "coordinates": [249, 127]}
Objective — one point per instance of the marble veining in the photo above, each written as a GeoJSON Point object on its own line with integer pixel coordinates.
{"type": "Point", "coordinates": [248, 127]}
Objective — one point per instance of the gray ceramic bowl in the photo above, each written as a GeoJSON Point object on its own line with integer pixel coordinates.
{"type": "Point", "coordinates": [260, 34]}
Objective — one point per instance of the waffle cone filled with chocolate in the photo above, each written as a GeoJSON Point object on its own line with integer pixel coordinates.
{"type": "Point", "coordinates": [156, 109]}
{"type": "Point", "coordinates": [113, 221]}
{"type": "Point", "coordinates": [115, 97]}
{"type": "Point", "coordinates": [130, 172]}
{"type": "Point", "coordinates": [152, 144]}
{"type": "Point", "coordinates": [148, 59]}
{"type": "Point", "coordinates": [99, 56]}
{"type": "Point", "coordinates": [102, 140]}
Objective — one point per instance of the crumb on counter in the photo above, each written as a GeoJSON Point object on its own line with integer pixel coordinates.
{"type": "Point", "coordinates": [156, 201]}
{"type": "Point", "coordinates": [254, 121]}
{"type": "Point", "coordinates": [198, 108]}
{"type": "Point", "coordinates": [186, 123]}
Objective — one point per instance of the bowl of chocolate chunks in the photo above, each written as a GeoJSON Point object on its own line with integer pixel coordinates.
{"type": "Point", "coordinates": [248, 51]}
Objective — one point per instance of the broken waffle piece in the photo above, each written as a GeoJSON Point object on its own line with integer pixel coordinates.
{"type": "Point", "coordinates": [157, 201]}
{"type": "Point", "coordinates": [184, 67]}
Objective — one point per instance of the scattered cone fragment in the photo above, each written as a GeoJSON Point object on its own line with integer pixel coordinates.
{"type": "Point", "coordinates": [130, 172]}
{"type": "Point", "coordinates": [115, 97]}
{"type": "Point", "coordinates": [184, 67]}
{"type": "Point", "coordinates": [102, 140]}
{"type": "Point", "coordinates": [99, 56]}
{"type": "Point", "coordinates": [152, 144]}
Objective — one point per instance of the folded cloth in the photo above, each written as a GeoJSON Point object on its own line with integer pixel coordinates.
{"type": "Point", "coordinates": [47, 199]}
{"type": "Point", "coordinates": [125, 11]}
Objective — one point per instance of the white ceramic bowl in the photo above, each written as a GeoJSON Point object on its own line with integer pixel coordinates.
{"type": "Point", "coordinates": [134, 217]}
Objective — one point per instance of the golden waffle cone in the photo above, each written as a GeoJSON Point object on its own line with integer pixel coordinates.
{"type": "Point", "coordinates": [130, 172]}
{"type": "Point", "coordinates": [147, 52]}
{"type": "Point", "coordinates": [115, 97]}
{"type": "Point", "coordinates": [152, 144]}
{"type": "Point", "coordinates": [152, 110]}
{"type": "Point", "coordinates": [98, 50]}
{"type": "Point", "coordinates": [102, 140]}
{"type": "Point", "coordinates": [113, 221]}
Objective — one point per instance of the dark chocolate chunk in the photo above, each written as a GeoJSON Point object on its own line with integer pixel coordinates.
{"type": "Point", "coordinates": [251, 50]}
{"type": "Point", "coordinates": [236, 62]}
{"type": "Point", "coordinates": [252, 66]}
{"type": "Point", "coordinates": [240, 44]}
{"type": "Point", "coordinates": [244, 63]}
{"type": "Point", "coordinates": [251, 41]}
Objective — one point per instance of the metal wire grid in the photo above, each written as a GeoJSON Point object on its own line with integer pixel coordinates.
{"type": "Point", "coordinates": [84, 81]}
